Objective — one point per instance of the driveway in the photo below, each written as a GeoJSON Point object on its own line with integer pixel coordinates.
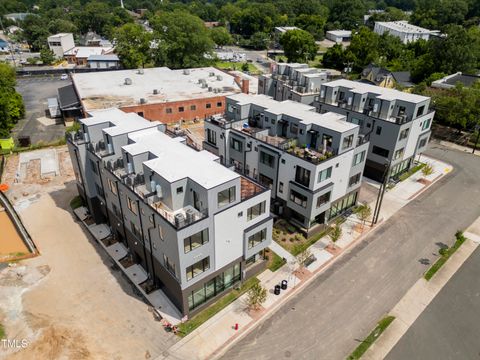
{"type": "Point", "coordinates": [449, 327]}
{"type": "Point", "coordinates": [35, 92]}
{"type": "Point", "coordinates": [333, 314]}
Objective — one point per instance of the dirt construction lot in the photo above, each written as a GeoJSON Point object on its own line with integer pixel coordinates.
{"type": "Point", "coordinates": [70, 302]}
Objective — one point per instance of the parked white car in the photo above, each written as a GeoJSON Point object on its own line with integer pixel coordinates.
{"type": "Point", "coordinates": [64, 77]}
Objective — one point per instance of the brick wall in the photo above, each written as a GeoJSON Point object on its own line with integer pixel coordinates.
{"type": "Point", "coordinates": [170, 112]}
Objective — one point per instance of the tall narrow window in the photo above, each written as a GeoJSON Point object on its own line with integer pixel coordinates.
{"type": "Point", "coordinates": [226, 196]}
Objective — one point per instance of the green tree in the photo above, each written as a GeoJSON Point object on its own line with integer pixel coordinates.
{"type": "Point", "coordinates": [298, 45]}
{"type": "Point", "coordinates": [183, 40]}
{"type": "Point", "coordinates": [302, 257]}
{"type": "Point", "coordinates": [221, 36]}
{"type": "Point", "coordinates": [335, 234]}
{"type": "Point", "coordinates": [427, 170]}
{"type": "Point", "coordinates": [61, 26]}
{"type": "Point", "coordinates": [259, 41]}
{"type": "Point", "coordinates": [314, 24]}
{"type": "Point", "coordinates": [34, 32]}
{"type": "Point", "coordinates": [11, 102]}
{"type": "Point", "coordinates": [133, 46]}
{"type": "Point", "coordinates": [347, 13]}
{"type": "Point", "coordinates": [47, 56]}
{"type": "Point", "coordinates": [364, 213]}
{"type": "Point", "coordinates": [334, 57]}
{"type": "Point", "coordinates": [256, 296]}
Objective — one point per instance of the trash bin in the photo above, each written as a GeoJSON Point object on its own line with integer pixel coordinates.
{"type": "Point", "coordinates": [284, 284]}
{"type": "Point", "coordinates": [276, 291]}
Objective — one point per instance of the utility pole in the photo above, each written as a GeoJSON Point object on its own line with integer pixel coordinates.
{"type": "Point", "coordinates": [477, 129]}
{"type": "Point", "coordinates": [381, 192]}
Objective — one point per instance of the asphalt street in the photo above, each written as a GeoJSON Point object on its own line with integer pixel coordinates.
{"type": "Point", "coordinates": [35, 92]}
{"type": "Point", "coordinates": [338, 309]}
{"type": "Point", "coordinates": [449, 328]}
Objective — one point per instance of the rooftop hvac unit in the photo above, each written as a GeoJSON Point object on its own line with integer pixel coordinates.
{"type": "Point", "coordinates": [155, 91]}
{"type": "Point", "coordinates": [110, 148]}
{"type": "Point", "coordinates": [128, 81]}
{"type": "Point", "coordinates": [190, 215]}
{"type": "Point", "coordinates": [219, 77]}
{"type": "Point", "coordinates": [143, 101]}
{"type": "Point", "coordinates": [210, 88]}
{"type": "Point", "coordinates": [202, 81]}
{"type": "Point", "coordinates": [129, 168]}
{"type": "Point", "coordinates": [179, 220]}
{"type": "Point", "coordinates": [159, 192]}
{"type": "Point", "coordinates": [140, 71]}
{"type": "Point", "coordinates": [186, 72]}
{"type": "Point", "coordinates": [211, 73]}
{"type": "Point", "coordinates": [204, 85]}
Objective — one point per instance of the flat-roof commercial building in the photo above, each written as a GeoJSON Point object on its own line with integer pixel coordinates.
{"type": "Point", "coordinates": [195, 227]}
{"type": "Point", "coordinates": [297, 82]}
{"type": "Point", "coordinates": [404, 31]}
{"type": "Point", "coordinates": [159, 93]}
{"type": "Point", "coordinates": [60, 43]}
{"type": "Point", "coordinates": [339, 36]}
{"type": "Point", "coordinates": [313, 163]}
{"type": "Point", "coordinates": [397, 123]}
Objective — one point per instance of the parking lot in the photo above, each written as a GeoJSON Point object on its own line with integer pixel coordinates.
{"type": "Point", "coordinates": [35, 92]}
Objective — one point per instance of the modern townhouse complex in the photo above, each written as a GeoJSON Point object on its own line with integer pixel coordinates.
{"type": "Point", "coordinates": [396, 123]}
{"type": "Point", "coordinates": [195, 227]}
{"type": "Point", "coordinates": [296, 82]}
{"type": "Point", "coordinates": [313, 163]}
{"type": "Point", "coordinates": [404, 31]}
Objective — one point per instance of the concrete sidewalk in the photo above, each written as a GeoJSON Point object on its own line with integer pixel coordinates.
{"type": "Point", "coordinates": [217, 334]}
{"type": "Point", "coordinates": [419, 297]}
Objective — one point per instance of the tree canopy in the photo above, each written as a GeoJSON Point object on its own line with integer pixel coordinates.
{"type": "Point", "coordinates": [11, 102]}
{"type": "Point", "coordinates": [298, 45]}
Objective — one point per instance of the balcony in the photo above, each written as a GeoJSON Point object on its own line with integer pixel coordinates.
{"type": "Point", "coordinates": [249, 189]}
{"type": "Point", "coordinates": [78, 137]}
{"type": "Point", "coordinates": [178, 218]}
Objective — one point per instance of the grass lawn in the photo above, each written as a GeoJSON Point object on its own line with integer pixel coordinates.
{"type": "Point", "coordinates": [274, 262]}
{"type": "Point", "coordinates": [445, 255]}
{"type": "Point", "coordinates": [76, 202]}
{"type": "Point", "coordinates": [190, 325]}
{"type": "Point", "coordinates": [370, 339]}
{"type": "Point", "coordinates": [288, 237]}
{"type": "Point", "coordinates": [410, 172]}
{"type": "Point", "coordinates": [2, 332]}
{"type": "Point", "coordinates": [228, 65]}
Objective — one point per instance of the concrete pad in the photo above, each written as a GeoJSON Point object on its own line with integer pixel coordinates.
{"type": "Point", "coordinates": [48, 162]}
{"type": "Point", "coordinates": [322, 257]}
{"type": "Point", "coordinates": [46, 121]}
{"type": "Point", "coordinates": [164, 306]}
{"type": "Point", "coordinates": [117, 251]}
{"type": "Point", "coordinates": [136, 274]}
{"type": "Point", "coordinates": [99, 231]}
{"type": "Point", "coordinates": [81, 212]}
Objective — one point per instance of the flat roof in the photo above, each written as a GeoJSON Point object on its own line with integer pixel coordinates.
{"type": "Point", "coordinates": [111, 57]}
{"type": "Point", "coordinates": [404, 26]}
{"type": "Point", "coordinates": [105, 89]}
{"type": "Point", "coordinates": [60, 35]}
{"type": "Point", "coordinates": [305, 113]}
{"type": "Point", "coordinates": [175, 161]}
{"type": "Point", "coordinates": [286, 28]}
{"type": "Point", "coordinates": [384, 93]}
{"type": "Point", "coordinates": [343, 33]}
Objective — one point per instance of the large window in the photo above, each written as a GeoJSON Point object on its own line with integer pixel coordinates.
{"type": "Point", "coordinates": [236, 144]}
{"type": "Point", "coordinates": [404, 134]}
{"type": "Point", "coordinates": [426, 124]}
{"type": "Point", "coordinates": [212, 288]}
{"type": "Point", "coordinates": [256, 210]}
{"type": "Point", "coordinates": [198, 268]}
{"type": "Point", "coordinates": [169, 265]}
{"type": "Point", "coordinates": [257, 238]}
{"type": "Point", "coordinates": [324, 174]}
{"type": "Point", "coordinates": [398, 154]}
{"type": "Point", "coordinates": [112, 186]}
{"type": "Point", "coordinates": [347, 142]}
{"type": "Point", "coordinates": [298, 198]}
{"type": "Point", "coordinates": [358, 158]}
{"type": "Point", "coordinates": [226, 196]}
{"type": "Point", "coordinates": [265, 181]}
{"type": "Point", "coordinates": [211, 137]}
{"type": "Point", "coordinates": [355, 179]}
{"type": "Point", "coordinates": [267, 159]}
{"type": "Point", "coordinates": [302, 176]}
{"type": "Point", "coordinates": [342, 205]}
{"type": "Point", "coordinates": [420, 110]}
{"type": "Point", "coordinates": [196, 240]}
{"type": "Point", "coordinates": [132, 205]}
{"type": "Point", "coordinates": [377, 150]}
{"type": "Point", "coordinates": [323, 199]}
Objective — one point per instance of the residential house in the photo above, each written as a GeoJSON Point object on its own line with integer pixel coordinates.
{"type": "Point", "coordinates": [60, 43]}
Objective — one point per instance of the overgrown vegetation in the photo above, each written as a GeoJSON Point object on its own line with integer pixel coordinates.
{"type": "Point", "coordinates": [76, 202]}
{"type": "Point", "coordinates": [36, 146]}
{"type": "Point", "coordinates": [193, 323]}
{"type": "Point", "coordinates": [2, 332]}
{"type": "Point", "coordinates": [445, 254]}
{"type": "Point", "coordinates": [12, 108]}
{"type": "Point", "coordinates": [257, 295]}
{"type": "Point", "coordinates": [370, 339]}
